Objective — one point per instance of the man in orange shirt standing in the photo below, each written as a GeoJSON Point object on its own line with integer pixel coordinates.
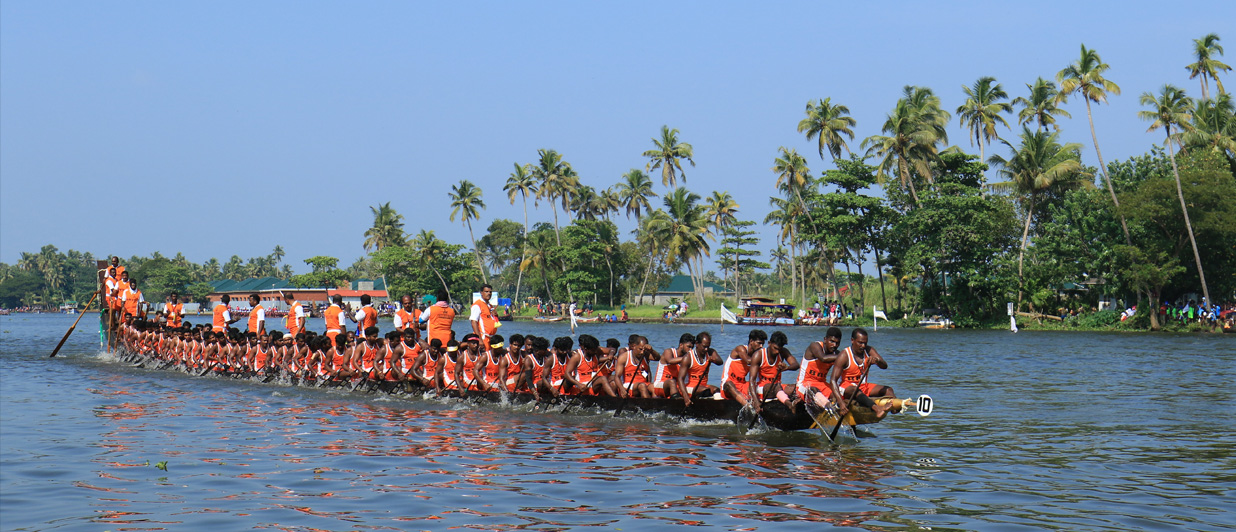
{"type": "Point", "coordinates": [174, 311]}
{"type": "Point", "coordinates": [333, 314]}
{"type": "Point", "coordinates": [223, 317]}
{"type": "Point", "coordinates": [296, 314]}
{"type": "Point", "coordinates": [367, 316]}
{"type": "Point", "coordinates": [406, 318]}
{"type": "Point", "coordinates": [483, 318]}
{"type": "Point", "coordinates": [439, 318]}
{"type": "Point", "coordinates": [133, 300]}
{"type": "Point", "coordinates": [257, 315]}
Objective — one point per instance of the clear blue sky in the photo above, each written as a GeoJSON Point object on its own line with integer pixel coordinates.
{"type": "Point", "coordinates": [228, 128]}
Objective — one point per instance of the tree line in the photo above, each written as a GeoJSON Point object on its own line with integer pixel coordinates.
{"type": "Point", "coordinates": [1045, 231]}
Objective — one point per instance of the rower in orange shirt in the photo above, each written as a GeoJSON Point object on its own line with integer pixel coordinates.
{"type": "Point", "coordinates": [737, 375]}
{"type": "Point", "coordinates": [849, 380]}
{"type": "Point", "coordinates": [696, 366]}
{"type": "Point", "coordinates": [817, 362]}
{"type": "Point", "coordinates": [769, 364]}
{"type": "Point", "coordinates": [633, 361]}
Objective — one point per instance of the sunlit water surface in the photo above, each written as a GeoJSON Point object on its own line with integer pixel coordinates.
{"type": "Point", "coordinates": [1033, 431]}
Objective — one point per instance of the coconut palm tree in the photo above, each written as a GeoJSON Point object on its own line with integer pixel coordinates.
{"type": "Point", "coordinates": [540, 251]}
{"type": "Point", "coordinates": [609, 201]}
{"type": "Point", "coordinates": [779, 258]}
{"type": "Point", "coordinates": [1085, 78]}
{"type": "Point", "coordinates": [913, 133]}
{"type": "Point", "coordinates": [1039, 164]}
{"type": "Point", "coordinates": [1171, 108]}
{"type": "Point", "coordinates": [466, 203]}
{"type": "Point", "coordinates": [721, 210]}
{"type": "Point", "coordinates": [585, 203]}
{"type": "Point", "coordinates": [784, 214]}
{"type": "Point", "coordinates": [685, 231]}
{"type": "Point", "coordinates": [557, 180]}
{"type": "Point", "coordinates": [667, 155]}
{"type": "Point", "coordinates": [1040, 107]}
{"type": "Point", "coordinates": [647, 236]}
{"type": "Point", "coordinates": [829, 124]}
{"type": "Point", "coordinates": [1207, 49]}
{"type": "Point", "coordinates": [427, 248]}
{"type": "Point", "coordinates": [1214, 126]}
{"type": "Point", "coordinates": [982, 111]}
{"type": "Point", "coordinates": [521, 183]}
{"type": "Point", "coordinates": [634, 191]}
{"type": "Point", "coordinates": [387, 228]}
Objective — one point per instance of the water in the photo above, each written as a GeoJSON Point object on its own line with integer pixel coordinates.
{"type": "Point", "coordinates": [1034, 431]}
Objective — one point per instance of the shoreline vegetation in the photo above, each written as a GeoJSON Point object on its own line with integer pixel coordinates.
{"type": "Point", "coordinates": [1023, 222]}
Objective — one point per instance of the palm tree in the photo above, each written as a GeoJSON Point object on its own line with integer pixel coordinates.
{"type": "Point", "coordinates": [428, 248]}
{"type": "Point", "coordinates": [609, 201]}
{"type": "Point", "coordinates": [556, 181]}
{"type": "Point", "coordinates": [387, 228]}
{"type": "Point", "coordinates": [913, 132]}
{"type": "Point", "coordinates": [721, 211]}
{"type": "Point", "coordinates": [1040, 107]}
{"type": "Point", "coordinates": [466, 203]}
{"type": "Point", "coordinates": [634, 191]}
{"type": "Point", "coordinates": [667, 156]}
{"type": "Point", "coordinates": [1207, 67]}
{"type": "Point", "coordinates": [647, 236]}
{"type": "Point", "coordinates": [1085, 77]}
{"type": "Point", "coordinates": [1214, 126]}
{"type": "Point", "coordinates": [829, 123]}
{"type": "Point", "coordinates": [685, 231]}
{"type": "Point", "coordinates": [982, 111]}
{"type": "Point", "coordinates": [584, 203]}
{"type": "Point", "coordinates": [539, 257]}
{"type": "Point", "coordinates": [522, 183]}
{"type": "Point", "coordinates": [779, 257]}
{"type": "Point", "coordinates": [784, 213]}
{"type": "Point", "coordinates": [1041, 163]}
{"type": "Point", "coordinates": [1172, 108]}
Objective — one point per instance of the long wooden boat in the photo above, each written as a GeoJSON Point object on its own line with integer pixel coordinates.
{"type": "Point", "coordinates": [548, 318]}
{"type": "Point", "coordinates": [773, 413]}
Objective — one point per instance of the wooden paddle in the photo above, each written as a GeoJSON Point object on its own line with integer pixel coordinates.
{"type": "Point", "coordinates": [850, 403]}
{"type": "Point", "coordinates": [79, 318]}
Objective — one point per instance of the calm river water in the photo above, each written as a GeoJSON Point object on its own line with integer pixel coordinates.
{"type": "Point", "coordinates": [1033, 431]}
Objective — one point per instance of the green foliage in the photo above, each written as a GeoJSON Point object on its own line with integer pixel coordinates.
{"type": "Point", "coordinates": [325, 274]}
{"type": "Point", "coordinates": [1100, 319]}
{"type": "Point", "coordinates": [198, 293]}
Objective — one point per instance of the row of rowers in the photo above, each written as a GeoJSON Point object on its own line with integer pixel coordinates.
{"type": "Point", "coordinates": [751, 373]}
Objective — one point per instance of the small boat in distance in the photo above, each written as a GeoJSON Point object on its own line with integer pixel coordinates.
{"type": "Point", "coordinates": [548, 318]}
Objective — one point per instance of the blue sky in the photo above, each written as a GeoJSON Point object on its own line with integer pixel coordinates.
{"type": "Point", "coordinates": [231, 127]}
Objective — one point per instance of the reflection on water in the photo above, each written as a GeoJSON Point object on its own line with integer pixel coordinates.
{"type": "Point", "coordinates": [1112, 448]}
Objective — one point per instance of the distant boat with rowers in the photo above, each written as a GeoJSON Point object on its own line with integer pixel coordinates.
{"type": "Point", "coordinates": [764, 312]}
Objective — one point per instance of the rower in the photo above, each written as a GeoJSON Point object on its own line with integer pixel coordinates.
{"type": "Point", "coordinates": [633, 359]}
{"type": "Point", "coordinates": [669, 381]}
{"type": "Point", "coordinates": [561, 355]}
{"type": "Point", "coordinates": [262, 354]}
{"type": "Point", "coordinates": [848, 377]}
{"type": "Point", "coordinates": [818, 360]}
{"type": "Point", "coordinates": [438, 320]}
{"type": "Point", "coordinates": [734, 383]}
{"type": "Point", "coordinates": [406, 318]}
{"type": "Point", "coordinates": [512, 362]}
{"type": "Point", "coordinates": [331, 315]}
{"type": "Point", "coordinates": [426, 368]}
{"type": "Point", "coordinates": [223, 315]}
{"type": "Point", "coordinates": [483, 318]}
{"type": "Point", "coordinates": [466, 375]}
{"type": "Point", "coordinates": [606, 369]}
{"type": "Point", "coordinates": [770, 363]}
{"type": "Point", "coordinates": [450, 362]}
{"type": "Point", "coordinates": [367, 353]}
{"type": "Point", "coordinates": [700, 361]}
{"type": "Point", "coordinates": [174, 311]}
{"type": "Point", "coordinates": [581, 369]}
{"type": "Point", "coordinates": [257, 315]}
{"type": "Point", "coordinates": [536, 375]}
{"type": "Point", "coordinates": [296, 314]}
{"type": "Point", "coordinates": [339, 356]}
{"type": "Point", "coordinates": [492, 366]}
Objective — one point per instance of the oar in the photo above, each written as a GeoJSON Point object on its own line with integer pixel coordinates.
{"type": "Point", "coordinates": [850, 403]}
{"type": "Point", "coordinates": [623, 403]}
{"type": "Point", "coordinates": [79, 318]}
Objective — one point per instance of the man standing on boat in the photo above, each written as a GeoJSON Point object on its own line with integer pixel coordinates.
{"type": "Point", "coordinates": [296, 314]}
{"type": "Point", "coordinates": [406, 318]}
{"type": "Point", "coordinates": [482, 317]}
{"type": "Point", "coordinates": [223, 315]}
{"type": "Point", "coordinates": [367, 316]}
{"type": "Point", "coordinates": [332, 315]}
{"type": "Point", "coordinates": [849, 374]}
{"type": "Point", "coordinates": [438, 319]}
{"type": "Point", "coordinates": [257, 315]}
{"type": "Point", "coordinates": [174, 311]}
